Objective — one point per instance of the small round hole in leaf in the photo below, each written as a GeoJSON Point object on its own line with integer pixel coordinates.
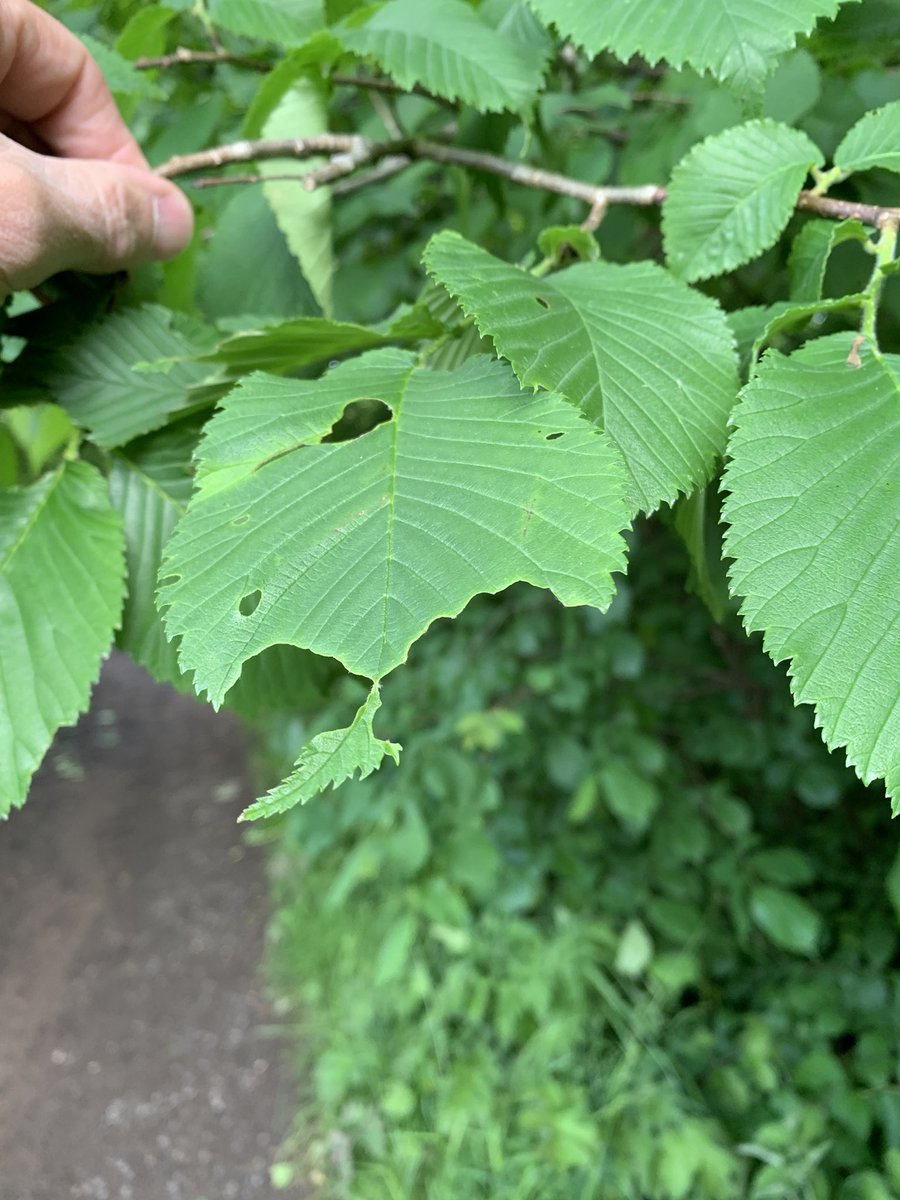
{"type": "Point", "coordinates": [250, 603]}
{"type": "Point", "coordinates": [551, 437]}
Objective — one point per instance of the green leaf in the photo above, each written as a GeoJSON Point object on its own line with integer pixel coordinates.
{"type": "Point", "coordinates": [783, 865]}
{"type": "Point", "coordinates": [327, 761]}
{"type": "Point", "coordinates": [351, 549]}
{"type": "Point", "coordinates": [638, 351]}
{"type": "Point", "coordinates": [95, 381]}
{"type": "Point", "coordinates": [292, 345]}
{"type": "Point", "coordinates": [786, 919]}
{"type": "Point", "coordinates": [320, 50]}
{"type": "Point", "coordinates": [144, 32]}
{"type": "Point", "coordinates": [447, 48]}
{"type": "Point", "coordinates": [736, 40]}
{"type": "Point", "coordinates": [631, 798]}
{"type": "Point", "coordinates": [285, 22]}
{"type": "Point", "coordinates": [696, 521]}
{"type": "Point", "coordinates": [791, 317]}
{"type": "Point", "coordinates": [61, 588]}
{"type": "Point", "coordinates": [303, 217]}
{"type": "Point", "coordinates": [246, 231]}
{"type": "Point", "coordinates": [121, 77]}
{"type": "Point", "coordinates": [814, 517]}
{"type": "Point", "coordinates": [811, 250]}
{"type": "Point", "coordinates": [558, 241]}
{"type": "Point", "coordinates": [635, 950]}
{"type": "Point", "coordinates": [732, 195]}
{"type": "Point", "coordinates": [874, 141]}
{"type": "Point", "coordinates": [749, 324]}
{"type": "Point", "coordinates": [150, 484]}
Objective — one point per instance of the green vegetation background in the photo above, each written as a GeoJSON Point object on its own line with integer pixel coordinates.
{"type": "Point", "coordinates": [619, 927]}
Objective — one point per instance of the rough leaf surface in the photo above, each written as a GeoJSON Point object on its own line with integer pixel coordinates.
{"type": "Point", "coordinates": [61, 587]}
{"type": "Point", "coordinates": [640, 353]}
{"type": "Point", "coordinates": [351, 549]}
{"type": "Point", "coordinates": [735, 40]}
{"type": "Point", "coordinates": [814, 515]}
{"type": "Point", "coordinates": [732, 195]}
{"type": "Point", "coordinates": [328, 760]}
{"type": "Point", "coordinates": [447, 48]}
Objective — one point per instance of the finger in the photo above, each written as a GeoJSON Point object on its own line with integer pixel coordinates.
{"type": "Point", "coordinates": [49, 82]}
{"type": "Point", "coordinates": [66, 214]}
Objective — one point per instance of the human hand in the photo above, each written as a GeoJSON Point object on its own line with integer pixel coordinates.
{"type": "Point", "coordinates": [76, 193]}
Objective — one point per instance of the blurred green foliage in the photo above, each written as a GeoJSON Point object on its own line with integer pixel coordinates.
{"type": "Point", "coordinates": [620, 927]}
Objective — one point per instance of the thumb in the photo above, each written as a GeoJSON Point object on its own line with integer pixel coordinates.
{"type": "Point", "coordinates": [73, 214]}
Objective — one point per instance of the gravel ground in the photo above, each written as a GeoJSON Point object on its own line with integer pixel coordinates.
{"type": "Point", "coordinates": [138, 1059]}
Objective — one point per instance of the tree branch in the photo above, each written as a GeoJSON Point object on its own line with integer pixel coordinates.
{"type": "Point", "coordinates": [183, 57]}
{"type": "Point", "coordinates": [349, 152]}
{"type": "Point", "coordinates": [844, 210]}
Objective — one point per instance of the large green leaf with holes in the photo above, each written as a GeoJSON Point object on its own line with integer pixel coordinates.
{"type": "Point", "coordinates": [445, 47]}
{"type": "Point", "coordinates": [640, 353]}
{"type": "Point", "coordinates": [732, 195]}
{"type": "Point", "coordinates": [814, 516]}
{"type": "Point", "coordinates": [61, 587]}
{"type": "Point", "coordinates": [352, 548]}
{"type": "Point", "coordinates": [736, 40]}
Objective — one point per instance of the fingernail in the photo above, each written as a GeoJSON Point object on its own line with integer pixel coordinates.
{"type": "Point", "coordinates": [174, 224]}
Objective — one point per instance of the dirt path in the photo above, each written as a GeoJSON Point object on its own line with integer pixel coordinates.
{"type": "Point", "coordinates": [135, 1061]}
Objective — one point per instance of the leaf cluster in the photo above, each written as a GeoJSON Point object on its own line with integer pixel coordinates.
{"type": "Point", "coordinates": [470, 354]}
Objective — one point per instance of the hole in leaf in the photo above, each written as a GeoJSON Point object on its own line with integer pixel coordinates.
{"type": "Point", "coordinates": [359, 417]}
{"type": "Point", "coordinates": [542, 302]}
{"type": "Point", "coordinates": [250, 603]}
{"type": "Point", "coordinates": [551, 437]}
{"type": "Point", "coordinates": [242, 519]}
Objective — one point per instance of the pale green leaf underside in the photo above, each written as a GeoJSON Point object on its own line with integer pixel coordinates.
{"type": "Point", "coordinates": [94, 379]}
{"type": "Point", "coordinates": [737, 40]}
{"type": "Point", "coordinates": [793, 317]}
{"type": "Point", "coordinates": [732, 195]}
{"type": "Point", "coordinates": [150, 484]}
{"type": "Point", "coordinates": [449, 50]}
{"type": "Point", "coordinates": [285, 22]}
{"type": "Point", "coordinates": [327, 761]}
{"type": "Point", "coordinates": [291, 345]}
{"type": "Point", "coordinates": [638, 351]}
{"type": "Point", "coordinates": [61, 587]}
{"type": "Point", "coordinates": [811, 250]}
{"type": "Point", "coordinates": [874, 141]}
{"type": "Point", "coordinates": [303, 217]}
{"type": "Point", "coordinates": [351, 549]}
{"type": "Point", "coordinates": [814, 516]}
